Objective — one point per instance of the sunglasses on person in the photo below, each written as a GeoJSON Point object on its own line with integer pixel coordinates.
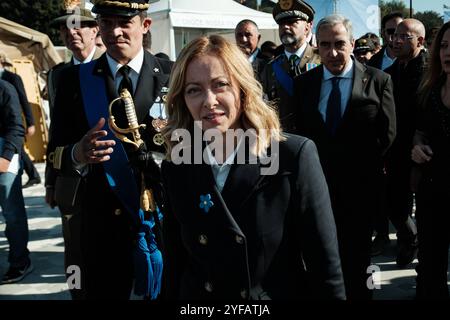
{"type": "Point", "coordinates": [390, 31]}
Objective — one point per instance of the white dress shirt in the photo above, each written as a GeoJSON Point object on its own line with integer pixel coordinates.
{"type": "Point", "coordinates": [221, 171]}
{"type": "Point", "coordinates": [135, 64]}
{"type": "Point", "coordinates": [88, 58]}
{"type": "Point", "coordinates": [299, 53]}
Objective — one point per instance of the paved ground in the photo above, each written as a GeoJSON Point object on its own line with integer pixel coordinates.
{"type": "Point", "coordinates": [47, 281]}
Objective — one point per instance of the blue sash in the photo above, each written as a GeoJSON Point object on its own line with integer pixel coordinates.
{"type": "Point", "coordinates": [147, 258]}
{"type": "Point", "coordinates": [283, 77]}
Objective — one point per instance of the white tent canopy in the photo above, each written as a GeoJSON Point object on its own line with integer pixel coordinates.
{"type": "Point", "coordinates": [176, 22]}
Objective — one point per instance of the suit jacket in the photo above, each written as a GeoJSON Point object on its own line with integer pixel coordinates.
{"type": "Point", "coordinates": [352, 159]}
{"type": "Point", "coordinates": [265, 237]}
{"type": "Point", "coordinates": [53, 78]}
{"type": "Point", "coordinates": [275, 91]}
{"type": "Point", "coordinates": [17, 82]}
{"type": "Point", "coordinates": [106, 228]}
{"type": "Point", "coordinates": [258, 64]}
{"type": "Point", "coordinates": [377, 59]}
{"type": "Point", "coordinates": [11, 128]}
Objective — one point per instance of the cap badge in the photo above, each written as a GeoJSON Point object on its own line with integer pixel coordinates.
{"type": "Point", "coordinates": [285, 4]}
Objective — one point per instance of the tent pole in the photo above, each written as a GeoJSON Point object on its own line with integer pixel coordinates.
{"type": "Point", "coordinates": [173, 52]}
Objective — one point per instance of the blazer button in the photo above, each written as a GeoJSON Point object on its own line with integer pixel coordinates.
{"type": "Point", "coordinates": [203, 239]}
{"type": "Point", "coordinates": [239, 239]}
{"type": "Point", "coordinates": [208, 286]}
{"type": "Point", "coordinates": [117, 212]}
{"type": "Point", "coordinates": [244, 294]}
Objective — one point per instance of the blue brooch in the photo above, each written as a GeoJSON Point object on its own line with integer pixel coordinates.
{"type": "Point", "coordinates": [205, 202]}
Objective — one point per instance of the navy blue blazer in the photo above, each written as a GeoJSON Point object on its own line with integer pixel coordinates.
{"type": "Point", "coordinates": [264, 237]}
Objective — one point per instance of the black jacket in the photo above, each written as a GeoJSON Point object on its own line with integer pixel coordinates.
{"type": "Point", "coordinates": [265, 236]}
{"type": "Point", "coordinates": [11, 128]}
{"type": "Point", "coordinates": [17, 82]}
{"type": "Point", "coordinates": [106, 230]}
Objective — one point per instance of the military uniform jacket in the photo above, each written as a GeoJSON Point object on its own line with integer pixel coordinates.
{"type": "Point", "coordinates": [275, 91]}
{"type": "Point", "coordinates": [53, 78]}
{"type": "Point", "coordinates": [106, 227]}
{"type": "Point", "coordinates": [264, 236]}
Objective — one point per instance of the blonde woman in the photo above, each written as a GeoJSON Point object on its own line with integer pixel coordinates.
{"type": "Point", "coordinates": [248, 214]}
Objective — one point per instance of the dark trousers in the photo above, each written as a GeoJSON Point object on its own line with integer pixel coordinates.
{"type": "Point", "coordinates": [354, 224]}
{"type": "Point", "coordinates": [399, 199]}
{"type": "Point", "coordinates": [28, 166]}
{"type": "Point", "coordinates": [433, 225]}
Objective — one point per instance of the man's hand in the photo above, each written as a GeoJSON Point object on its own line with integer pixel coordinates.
{"type": "Point", "coordinates": [92, 150]}
{"type": "Point", "coordinates": [421, 153]}
{"type": "Point", "coordinates": [4, 165]}
{"type": "Point", "coordinates": [50, 197]}
{"type": "Point", "coordinates": [30, 131]}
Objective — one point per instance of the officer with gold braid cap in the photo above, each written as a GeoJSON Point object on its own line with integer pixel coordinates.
{"type": "Point", "coordinates": [293, 18]}
{"type": "Point", "coordinates": [102, 174]}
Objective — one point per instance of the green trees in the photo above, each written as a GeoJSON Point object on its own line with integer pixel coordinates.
{"type": "Point", "coordinates": [34, 14]}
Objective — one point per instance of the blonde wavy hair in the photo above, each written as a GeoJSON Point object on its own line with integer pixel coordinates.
{"type": "Point", "coordinates": [256, 113]}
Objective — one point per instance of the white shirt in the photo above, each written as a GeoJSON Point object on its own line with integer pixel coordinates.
{"type": "Point", "coordinates": [387, 61]}
{"type": "Point", "coordinates": [135, 64]}
{"type": "Point", "coordinates": [299, 53]}
{"type": "Point", "coordinates": [345, 86]}
{"type": "Point", "coordinates": [220, 172]}
{"type": "Point", "coordinates": [252, 57]}
{"type": "Point", "coordinates": [88, 58]}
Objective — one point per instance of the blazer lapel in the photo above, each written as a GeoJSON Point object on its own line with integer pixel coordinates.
{"type": "Point", "coordinates": [360, 80]}
{"type": "Point", "coordinates": [306, 56]}
{"type": "Point", "coordinates": [145, 89]}
{"type": "Point", "coordinates": [315, 87]}
{"type": "Point", "coordinates": [102, 69]}
{"type": "Point", "coordinates": [202, 184]}
{"type": "Point", "coordinates": [242, 180]}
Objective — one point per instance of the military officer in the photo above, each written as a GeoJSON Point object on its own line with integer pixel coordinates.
{"type": "Point", "coordinates": [115, 235]}
{"type": "Point", "coordinates": [293, 18]}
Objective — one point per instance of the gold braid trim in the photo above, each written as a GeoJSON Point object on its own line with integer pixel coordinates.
{"type": "Point", "coordinates": [132, 5]}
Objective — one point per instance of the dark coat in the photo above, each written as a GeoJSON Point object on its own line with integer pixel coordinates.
{"type": "Point", "coordinates": [377, 59]}
{"type": "Point", "coordinates": [11, 128]}
{"type": "Point", "coordinates": [352, 160]}
{"type": "Point", "coordinates": [106, 227]}
{"type": "Point", "coordinates": [406, 80]}
{"type": "Point", "coordinates": [53, 78]}
{"type": "Point", "coordinates": [258, 64]}
{"type": "Point", "coordinates": [277, 94]}
{"type": "Point", "coordinates": [17, 82]}
{"type": "Point", "coordinates": [265, 237]}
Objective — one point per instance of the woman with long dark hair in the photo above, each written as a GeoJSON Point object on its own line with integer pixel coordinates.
{"type": "Point", "coordinates": [431, 152]}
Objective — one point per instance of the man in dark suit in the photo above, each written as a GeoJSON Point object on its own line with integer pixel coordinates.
{"type": "Point", "coordinates": [16, 81]}
{"type": "Point", "coordinates": [382, 60]}
{"type": "Point", "coordinates": [347, 109]}
{"type": "Point", "coordinates": [385, 57]}
{"type": "Point", "coordinates": [109, 228]}
{"type": "Point", "coordinates": [406, 73]}
{"type": "Point", "coordinates": [293, 18]}
{"type": "Point", "coordinates": [247, 38]}
{"type": "Point", "coordinates": [78, 30]}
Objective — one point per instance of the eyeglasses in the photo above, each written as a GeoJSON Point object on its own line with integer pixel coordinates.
{"type": "Point", "coordinates": [390, 31]}
{"type": "Point", "coordinates": [403, 36]}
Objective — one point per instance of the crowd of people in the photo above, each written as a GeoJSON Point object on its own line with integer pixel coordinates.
{"type": "Point", "coordinates": [239, 172]}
